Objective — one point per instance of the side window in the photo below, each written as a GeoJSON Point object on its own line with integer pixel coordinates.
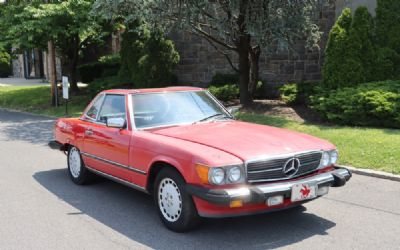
{"type": "Point", "coordinates": [94, 109]}
{"type": "Point", "coordinates": [113, 107]}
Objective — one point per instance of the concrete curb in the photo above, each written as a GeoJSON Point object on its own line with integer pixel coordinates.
{"type": "Point", "coordinates": [374, 173]}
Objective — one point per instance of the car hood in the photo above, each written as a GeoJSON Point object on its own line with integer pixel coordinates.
{"type": "Point", "coordinates": [245, 140]}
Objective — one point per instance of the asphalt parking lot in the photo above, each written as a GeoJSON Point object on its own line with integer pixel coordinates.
{"type": "Point", "coordinates": [40, 208]}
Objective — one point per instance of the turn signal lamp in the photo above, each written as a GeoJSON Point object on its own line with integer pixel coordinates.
{"type": "Point", "coordinates": [202, 172]}
{"type": "Point", "coordinates": [236, 203]}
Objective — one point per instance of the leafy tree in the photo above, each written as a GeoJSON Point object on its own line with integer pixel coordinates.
{"type": "Point", "coordinates": [237, 27]}
{"type": "Point", "coordinates": [30, 24]}
{"type": "Point", "coordinates": [147, 57]}
{"type": "Point", "coordinates": [132, 47]}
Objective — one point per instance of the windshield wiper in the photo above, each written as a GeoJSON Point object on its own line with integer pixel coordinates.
{"type": "Point", "coordinates": [210, 117]}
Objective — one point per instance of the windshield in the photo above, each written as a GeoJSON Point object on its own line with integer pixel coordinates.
{"type": "Point", "coordinates": [174, 108]}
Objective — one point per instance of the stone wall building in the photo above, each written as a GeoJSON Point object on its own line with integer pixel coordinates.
{"type": "Point", "coordinates": [33, 64]}
{"type": "Point", "coordinates": [200, 61]}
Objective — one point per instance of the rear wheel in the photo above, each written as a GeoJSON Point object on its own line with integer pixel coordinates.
{"type": "Point", "coordinates": [175, 206]}
{"type": "Point", "coordinates": [77, 171]}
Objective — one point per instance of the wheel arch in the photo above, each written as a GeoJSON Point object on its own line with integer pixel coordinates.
{"type": "Point", "coordinates": [65, 147]}
{"type": "Point", "coordinates": [155, 168]}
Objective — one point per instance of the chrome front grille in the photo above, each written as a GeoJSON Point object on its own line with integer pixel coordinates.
{"type": "Point", "coordinates": [271, 169]}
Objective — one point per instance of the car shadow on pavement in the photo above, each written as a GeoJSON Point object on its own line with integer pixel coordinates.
{"type": "Point", "coordinates": [133, 214]}
{"type": "Point", "coordinates": [34, 129]}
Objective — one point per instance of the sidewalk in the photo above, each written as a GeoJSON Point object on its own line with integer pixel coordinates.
{"type": "Point", "coordinates": [22, 82]}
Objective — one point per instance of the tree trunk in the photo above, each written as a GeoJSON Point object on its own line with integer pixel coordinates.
{"type": "Point", "coordinates": [244, 72]}
{"type": "Point", "coordinates": [73, 77]}
{"type": "Point", "coordinates": [72, 66]}
{"type": "Point", "coordinates": [254, 70]}
{"type": "Point", "coordinates": [52, 72]}
{"type": "Point", "coordinates": [243, 46]}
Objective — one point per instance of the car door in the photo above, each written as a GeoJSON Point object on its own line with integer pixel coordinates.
{"type": "Point", "coordinates": [106, 149]}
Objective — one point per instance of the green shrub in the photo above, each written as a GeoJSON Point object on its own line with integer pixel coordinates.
{"type": "Point", "coordinates": [106, 66]}
{"type": "Point", "coordinates": [289, 93]}
{"type": "Point", "coordinates": [147, 58]}
{"type": "Point", "coordinates": [89, 71]}
{"type": "Point", "coordinates": [297, 93]}
{"type": "Point", "coordinates": [226, 92]}
{"type": "Point", "coordinates": [113, 58]}
{"type": "Point", "coordinates": [369, 104]}
{"type": "Point", "coordinates": [221, 79]}
{"type": "Point", "coordinates": [5, 67]}
{"type": "Point", "coordinates": [110, 82]}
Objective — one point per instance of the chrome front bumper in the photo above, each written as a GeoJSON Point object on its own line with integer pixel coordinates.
{"type": "Point", "coordinates": [260, 193]}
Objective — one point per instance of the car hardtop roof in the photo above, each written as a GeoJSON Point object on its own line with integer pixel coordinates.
{"type": "Point", "coordinates": [151, 90]}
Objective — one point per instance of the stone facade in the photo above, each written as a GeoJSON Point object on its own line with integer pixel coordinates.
{"type": "Point", "coordinates": [200, 61]}
{"type": "Point", "coordinates": [18, 66]}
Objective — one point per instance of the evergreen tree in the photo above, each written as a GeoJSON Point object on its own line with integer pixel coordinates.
{"type": "Point", "coordinates": [388, 24]}
{"type": "Point", "coordinates": [387, 30]}
{"type": "Point", "coordinates": [341, 65]}
{"type": "Point", "coordinates": [147, 58]}
{"type": "Point", "coordinates": [361, 45]}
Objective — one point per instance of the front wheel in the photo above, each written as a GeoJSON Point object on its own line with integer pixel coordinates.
{"type": "Point", "coordinates": [76, 168]}
{"type": "Point", "coordinates": [175, 206]}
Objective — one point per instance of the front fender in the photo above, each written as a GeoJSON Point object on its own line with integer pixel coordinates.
{"type": "Point", "coordinates": [170, 161]}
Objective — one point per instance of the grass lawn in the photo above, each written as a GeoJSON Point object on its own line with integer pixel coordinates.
{"type": "Point", "coordinates": [371, 148]}
{"type": "Point", "coordinates": [37, 100]}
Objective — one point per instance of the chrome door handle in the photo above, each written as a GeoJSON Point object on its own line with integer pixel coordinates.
{"type": "Point", "coordinates": [89, 132]}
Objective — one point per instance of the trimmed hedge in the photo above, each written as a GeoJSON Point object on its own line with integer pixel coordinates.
{"type": "Point", "coordinates": [106, 66]}
{"type": "Point", "coordinates": [369, 104]}
{"type": "Point", "coordinates": [297, 93]}
{"type": "Point", "coordinates": [221, 79]}
{"type": "Point", "coordinates": [226, 92]}
{"type": "Point", "coordinates": [5, 67]}
{"type": "Point", "coordinates": [110, 82]}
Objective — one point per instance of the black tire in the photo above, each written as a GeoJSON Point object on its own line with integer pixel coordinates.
{"type": "Point", "coordinates": [188, 217]}
{"type": "Point", "coordinates": [84, 176]}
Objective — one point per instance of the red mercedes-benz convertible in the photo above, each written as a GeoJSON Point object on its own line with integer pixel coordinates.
{"type": "Point", "coordinates": [182, 146]}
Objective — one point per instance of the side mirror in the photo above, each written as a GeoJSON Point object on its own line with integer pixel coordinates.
{"type": "Point", "coordinates": [116, 122]}
{"type": "Point", "coordinates": [233, 110]}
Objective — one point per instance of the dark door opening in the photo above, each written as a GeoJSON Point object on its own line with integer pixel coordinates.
{"type": "Point", "coordinates": [33, 64]}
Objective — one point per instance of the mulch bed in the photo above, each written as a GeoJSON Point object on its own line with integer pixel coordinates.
{"type": "Point", "coordinates": [279, 108]}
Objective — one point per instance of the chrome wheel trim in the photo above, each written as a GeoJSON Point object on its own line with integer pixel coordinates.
{"type": "Point", "coordinates": [169, 199]}
{"type": "Point", "coordinates": [74, 162]}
